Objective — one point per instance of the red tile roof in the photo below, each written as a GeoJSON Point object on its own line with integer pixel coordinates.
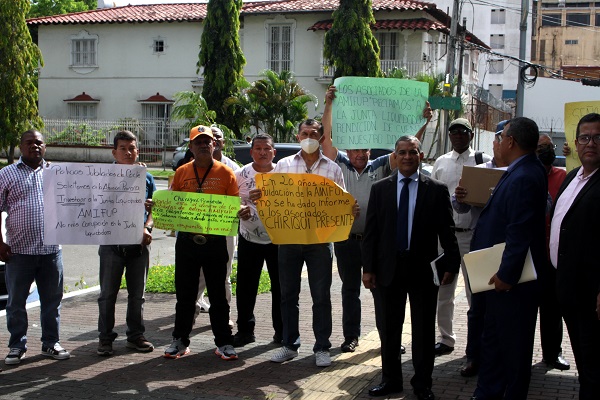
{"type": "Point", "coordinates": [401, 24]}
{"type": "Point", "coordinates": [83, 97]}
{"type": "Point", "coordinates": [196, 12]}
{"type": "Point", "coordinates": [157, 98]}
{"type": "Point", "coordinates": [190, 12]}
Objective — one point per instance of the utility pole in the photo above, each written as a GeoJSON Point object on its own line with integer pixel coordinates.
{"type": "Point", "coordinates": [450, 70]}
{"type": "Point", "coordinates": [522, 55]}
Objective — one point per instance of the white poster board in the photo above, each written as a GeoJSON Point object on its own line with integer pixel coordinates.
{"type": "Point", "coordinates": [88, 203]}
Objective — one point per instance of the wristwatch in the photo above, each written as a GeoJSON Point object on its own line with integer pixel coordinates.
{"type": "Point", "coordinates": [148, 227]}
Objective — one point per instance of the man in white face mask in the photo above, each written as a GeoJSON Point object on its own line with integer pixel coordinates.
{"type": "Point", "coordinates": [318, 257]}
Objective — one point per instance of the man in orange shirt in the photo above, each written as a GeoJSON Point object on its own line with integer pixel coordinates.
{"type": "Point", "coordinates": [194, 252]}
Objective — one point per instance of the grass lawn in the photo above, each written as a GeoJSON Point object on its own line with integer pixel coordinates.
{"type": "Point", "coordinates": [161, 279]}
{"type": "Point", "coordinates": [160, 173]}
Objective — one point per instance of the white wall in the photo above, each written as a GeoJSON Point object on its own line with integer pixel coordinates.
{"type": "Point", "coordinates": [545, 101]}
{"type": "Point", "coordinates": [127, 71]}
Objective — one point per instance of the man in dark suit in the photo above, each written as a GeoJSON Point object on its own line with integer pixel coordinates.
{"type": "Point", "coordinates": [574, 237]}
{"type": "Point", "coordinates": [407, 214]}
{"type": "Point", "coordinates": [514, 215]}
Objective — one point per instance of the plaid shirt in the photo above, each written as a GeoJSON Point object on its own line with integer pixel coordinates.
{"type": "Point", "coordinates": [323, 166]}
{"type": "Point", "coordinates": [22, 198]}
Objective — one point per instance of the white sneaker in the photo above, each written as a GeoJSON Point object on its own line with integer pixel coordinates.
{"type": "Point", "coordinates": [284, 354]}
{"type": "Point", "coordinates": [57, 352]}
{"type": "Point", "coordinates": [323, 359]}
{"type": "Point", "coordinates": [176, 349]}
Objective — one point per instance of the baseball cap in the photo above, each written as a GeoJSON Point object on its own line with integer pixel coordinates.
{"type": "Point", "coordinates": [501, 125]}
{"type": "Point", "coordinates": [460, 122]}
{"type": "Point", "coordinates": [200, 130]}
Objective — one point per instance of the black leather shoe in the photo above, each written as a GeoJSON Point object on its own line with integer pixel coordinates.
{"type": "Point", "coordinates": [385, 388]}
{"type": "Point", "coordinates": [349, 345]}
{"type": "Point", "coordinates": [560, 363]}
{"type": "Point", "coordinates": [402, 349]}
{"type": "Point", "coordinates": [470, 369]}
{"type": "Point", "coordinates": [240, 340]}
{"type": "Point", "coordinates": [441, 349]}
{"type": "Point", "coordinates": [424, 394]}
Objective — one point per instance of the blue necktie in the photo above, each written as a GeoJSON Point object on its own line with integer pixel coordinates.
{"type": "Point", "coordinates": [402, 223]}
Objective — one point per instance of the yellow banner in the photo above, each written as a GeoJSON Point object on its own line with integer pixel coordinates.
{"type": "Point", "coordinates": [213, 214]}
{"type": "Point", "coordinates": [304, 208]}
{"type": "Point", "coordinates": [573, 113]}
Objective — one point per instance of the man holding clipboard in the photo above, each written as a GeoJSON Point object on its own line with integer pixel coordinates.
{"type": "Point", "coordinates": [514, 215]}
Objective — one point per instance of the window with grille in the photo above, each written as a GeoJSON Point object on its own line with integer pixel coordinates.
{"type": "Point", "coordinates": [388, 45]}
{"type": "Point", "coordinates": [498, 16]}
{"type": "Point", "coordinates": [496, 66]}
{"type": "Point", "coordinates": [280, 48]}
{"type": "Point", "coordinates": [83, 52]}
{"type": "Point", "coordinates": [156, 111]}
{"type": "Point", "coordinates": [571, 41]}
{"type": "Point", "coordinates": [495, 90]}
{"type": "Point", "coordinates": [159, 46]}
{"type": "Point", "coordinates": [497, 41]}
{"type": "Point", "coordinates": [82, 110]}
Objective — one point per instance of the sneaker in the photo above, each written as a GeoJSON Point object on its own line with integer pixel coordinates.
{"type": "Point", "coordinates": [230, 324]}
{"type": "Point", "coordinates": [57, 352]}
{"type": "Point", "coordinates": [14, 356]}
{"type": "Point", "coordinates": [240, 340]}
{"type": "Point", "coordinates": [176, 349]}
{"type": "Point", "coordinates": [284, 354]}
{"type": "Point", "coordinates": [226, 352]}
{"type": "Point", "coordinates": [140, 344]}
{"type": "Point", "coordinates": [349, 345]}
{"type": "Point", "coordinates": [322, 358]}
{"type": "Point", "coordinates": [105, 348]}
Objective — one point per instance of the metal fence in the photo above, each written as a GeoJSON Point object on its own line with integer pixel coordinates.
{"type": "Point", "coordinates": [154, 136]}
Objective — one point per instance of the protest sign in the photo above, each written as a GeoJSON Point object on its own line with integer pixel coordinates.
{"type": "Point", "coordinates": [573, 113]}
{"type": "Point", "coordinates": [94, 203]}
{"type": "Point", "coordinates": [303, 208]}
{"type": "Point", "coordinates": [213, 214]}
{"type": "Point", "coordinates": [372, 113]}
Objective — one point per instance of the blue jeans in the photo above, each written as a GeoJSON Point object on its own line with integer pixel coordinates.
{"type": "Point", "coordinates": [47, 272]}
{"type": "Point", "coordinates": [319, 259]}
{"type": "Point", "coordinates": [134, 260]}
{"type": "Point", "coordinates": [349, 262]}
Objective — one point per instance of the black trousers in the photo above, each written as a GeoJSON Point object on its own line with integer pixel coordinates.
{"type": "Point", "coordinates": [212, 258]}
{"type": "Point", "coordinates": [551, 326]}
{"type": "Point", "coordinates": [415, 281]}
{"type": "Point", "coordinates": [251, 257]}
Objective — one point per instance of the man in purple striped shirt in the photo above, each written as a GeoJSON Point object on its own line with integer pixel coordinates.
{"type": "Point", "coordinates": [26, 256]}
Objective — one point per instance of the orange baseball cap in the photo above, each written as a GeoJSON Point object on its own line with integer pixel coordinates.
{"type": "Point", "coordinates": [200, 130]}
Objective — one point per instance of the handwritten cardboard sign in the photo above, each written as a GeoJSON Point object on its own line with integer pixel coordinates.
{"type": "Point", "coordinates": [372, 113]}
{"type": "Point", "coordinates": [573, 113]}
{"type": "Point", "coordinates": [303, 208]}
{"type": "Point", "coordinates": [94, 203]}
{"type": "Point", "coordinates": [213, 214]}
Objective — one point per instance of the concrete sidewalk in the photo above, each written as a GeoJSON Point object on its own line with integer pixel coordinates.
{"type": "Point", "coordinates": [202, 375]}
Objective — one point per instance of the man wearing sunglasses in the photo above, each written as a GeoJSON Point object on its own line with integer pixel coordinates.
{"type": "Point", "coordinates": [448, 169]}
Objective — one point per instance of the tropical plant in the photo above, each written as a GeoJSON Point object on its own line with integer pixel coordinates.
{"type": "Point", "coordinates": [275, 104]}
{"type": "Point", "coordinates": [222, 58]}
{"type": "Point", "coordinates": [355, 54]}
{"type": "Point", "coordinates": [42, 8]}
{"type": "Point", "coordinates": [82, 134]}
{"type": "Point", "coordinates": [19, 60]}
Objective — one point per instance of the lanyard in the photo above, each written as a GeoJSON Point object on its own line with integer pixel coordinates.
{"type": "Point", "coordinates": [200, 182]}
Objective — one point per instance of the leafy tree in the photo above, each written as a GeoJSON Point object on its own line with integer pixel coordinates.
{"type": "Point", "coordinates": [41, 8]}
{"type": "Point", "coordinates": [19, 59]}
{"type": "Point", "coordinates": [355, 54]}
{"type": "Point", "coordinates": [222, 58]}
{"type": "Point", "coordinates": [275, 104]}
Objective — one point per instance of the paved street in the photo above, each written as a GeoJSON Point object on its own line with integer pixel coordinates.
{"type": "Point", "coordinates": [201, 375]}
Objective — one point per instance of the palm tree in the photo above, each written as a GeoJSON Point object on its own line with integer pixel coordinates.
{"type": "Point", "coordinates": [274, 104]}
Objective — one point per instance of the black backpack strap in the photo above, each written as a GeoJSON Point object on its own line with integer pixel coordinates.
{"type": "Point", "coordinates": [478, 157]}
